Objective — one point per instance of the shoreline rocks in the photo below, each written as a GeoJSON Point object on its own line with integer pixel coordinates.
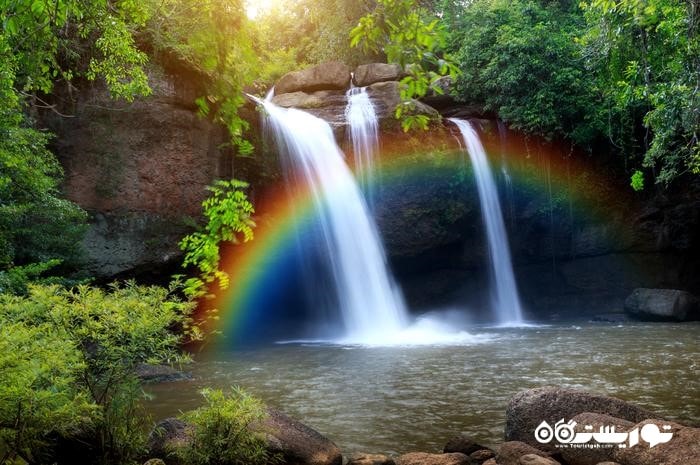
{"type": "Point", "coordinates": [662, 305]}
{"type": "Point", "coordinates": [298, 444]}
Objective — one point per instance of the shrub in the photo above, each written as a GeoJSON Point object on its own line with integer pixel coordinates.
{"type": "Point", "coordinates": [221, 431]}
{"type": "Point", "coordinates": [99, 337]}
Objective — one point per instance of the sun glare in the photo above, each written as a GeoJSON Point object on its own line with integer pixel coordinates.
{"type": "Point", "coordinates": [255, 8]}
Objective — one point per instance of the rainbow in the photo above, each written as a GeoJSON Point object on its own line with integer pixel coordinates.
{"type": "Point", "coordinates": [259, 269]}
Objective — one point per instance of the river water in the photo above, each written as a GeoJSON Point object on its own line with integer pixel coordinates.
{"type": "Point", "coordinates": [402, 399]}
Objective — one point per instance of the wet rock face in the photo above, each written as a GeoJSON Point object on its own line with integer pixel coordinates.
{"type": "Point", "coordinates": [528, 409]}
{"type": "Point", "coordinates": [662, 305]}
{"type": "Point", "coordinates": [326, 76]}
{"type": "Point", "coordinates": [139, 169]}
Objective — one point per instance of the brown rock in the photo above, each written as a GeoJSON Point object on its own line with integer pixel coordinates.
{"type": "Point", "coordinates": [608, 463]}
{"type": "Point", "coordinates": [682, 449]}
{"type": "Point", "coordinates": [370, 459]}
{"type": "Point", "coordinates": [462, 443]}
{"type": "Point", "coordinates": [533, 459]}
{"type": "Point", "coordinates": [527, 409]}
{"type": "Point", "coordinates": [168, 436]}
{"type": "Point", "coordinates": [421, 458]}
{"type": "Point", "coordinates": [297, 443]}
{"type": "Point", "coordinates": [377, 72]}
{"type": "Point", "coordinates": [490, 462]}
{"type": "Point", "coordinates": [481, 456]}
{"type": "Point", "coordinates": [510, 452]}
{"type": "Point", "coordinates": [154, 462]}
{"type": "Point", "coordinates": [332, 75]}
{"type": "Point", "coordinates": [386, 96]}
{"type": "Point", "coordinates": [592, 456]}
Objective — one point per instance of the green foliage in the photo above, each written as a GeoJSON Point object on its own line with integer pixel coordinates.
{"type": "Point", "coordinates": [647, 58]}
{"type": "Point", "coordinates": [229, 219]}
{"type": "Point", "coordinates": [39, 369]}
{"type": "Point", "coordinates": [36, 225]}
{"type": "Point", "coordinates": [222, 434]}
{"type": "Point", "coordinates": [213, 37]}
{"type": "Point", "coordinates": [637, 181]}
{"type": "Point", "coordinates": [64, 39]}
{"type": "Point", "coordinates": [520, 59]}
{"type": "Point", "coordinates": [411, 37]}
{"type": "Point", "coordinates": [101, 337]}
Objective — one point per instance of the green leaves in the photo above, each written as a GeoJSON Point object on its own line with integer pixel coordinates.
{"type": "Point", "coordinates": [409, 36]}
{"type": "Point", "coordinates": [224, 431]}
{"type": "Point", "coordinates": [67, 363]}
{"type": "Point", "coordinates": [229, 217]}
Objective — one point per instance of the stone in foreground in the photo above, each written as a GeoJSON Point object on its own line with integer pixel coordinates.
{"type": "Point", "coordinates": [333, 75]}
{"type": "Point", "coordinates": [370, 459]}
{"type": "Point", "coordinates": [421, 458]}
{"type": "Point", "coordinates": [593, 456]}
{"type": "Point", "coordinates": [534, 459]}
{"type": "Point", "coordinates": [462, 443]}
{"type": "Point", "coordinates": [662, 305]}
{"type": "Point", "coordinates": [297, 443]}
{"type": "Point", "coordinates": [377, 72]}
{"type": "Point", "coordinates": [527, 409]}
{"type": "Point", "coordinates": [682, 449]}
{"type": "Point", "coordinates": [510, 452]}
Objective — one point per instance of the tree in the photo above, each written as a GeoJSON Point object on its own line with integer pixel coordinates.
{"type": "Point", "coordinates": [647, 59]}
{"type": "Point", "coordinates": [410, 36]}
{"type": "Point", "coordinates": [520, 59]}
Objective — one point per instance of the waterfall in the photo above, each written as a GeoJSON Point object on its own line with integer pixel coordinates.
{"type": "Point", "coordinates": [364, 137]}
{"type": "Point", "coordinates": [371, 307]}
{"type": "Point", "coordinates": [506, 301]}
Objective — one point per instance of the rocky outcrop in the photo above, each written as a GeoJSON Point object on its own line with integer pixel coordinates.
{"type": "Point", "coordinates": [422, 458]}
{"type": "Point", "coordinates": [297, 443]}
{"type": "Point", "coordinates": [462, 443]}
{"type": "Point", "coordinates": [140, 169]}
{"type": "Point", "coordinates": [593, 456]}
{"type": "Point", "coordinates": [682, 448]}
{"type": "Point", "coordinates": [333, 75]}
{"type": "Point", "coordinates": [528, 409]}
{"type": "Point", "coordinates": [370, 459]}
{"type": "Point", "coordinates": [511, 452]}
{"type": "Point", "coordinates": [293, 442]}
{"type": "Point", "coordinates": [365, 75]}
{"type": "Point", "coordinates": [160, 374]}
{"type": "Point", "coordinates": [662, 305]}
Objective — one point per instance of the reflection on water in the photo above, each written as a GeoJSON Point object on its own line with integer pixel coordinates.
{"type": "Point", "coordinates": [402, 399]}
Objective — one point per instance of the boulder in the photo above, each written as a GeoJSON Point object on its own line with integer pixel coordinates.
{"type": "Point", "coordinates": [592, 456]}
{"type": "Point", "coordinates": [662, 305]}
{"type": "Point", "coordinates": [422, 458]}
{"type": "Point", "coordinates": [490, 462]}
{"type": "Point", "coordinates": [294, 442]}
{"type": "Point", "coordinates": [297, 443]}
{"type": "Point", "coordinates": [386, 96]}
{"type": "Point", "coordinates": [370, 459]}
{"type": "Point", "coordinates": [462, 443]}
{"type": "Point", "coordinates": [160, 373]}
{"type": "Point", "coordinates": [533, 459]}
{"type": "Point", "coordinates": [682, 449]}
{"type": "Point", "coordinates": [377, 72]}
{"type": "Point", "coordinates": [443, 99]}
{"type": "Point", "coordinates": [167, 436]}
{"type": "Point", "coordinates": [527, 409]}
{"type": "Point", "coordinates": [608, 463]}
{"type": "Point", "coordinates": [510, 452]}
{"type": "Point", "coordinates": [332, 75]}
{"type": "Point", "coordinates": [481, 456]}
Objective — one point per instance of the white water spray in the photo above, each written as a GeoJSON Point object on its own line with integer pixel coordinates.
{"type": "Point", "coordinates": [371, 306]}
{"type": "Point", "coordinates": [364, 135]}
{"type": "Point", "coordinates": [506, 301]}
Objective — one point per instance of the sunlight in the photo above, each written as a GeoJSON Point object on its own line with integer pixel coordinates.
{"type": "Point", "coordinates": [255, 8]}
